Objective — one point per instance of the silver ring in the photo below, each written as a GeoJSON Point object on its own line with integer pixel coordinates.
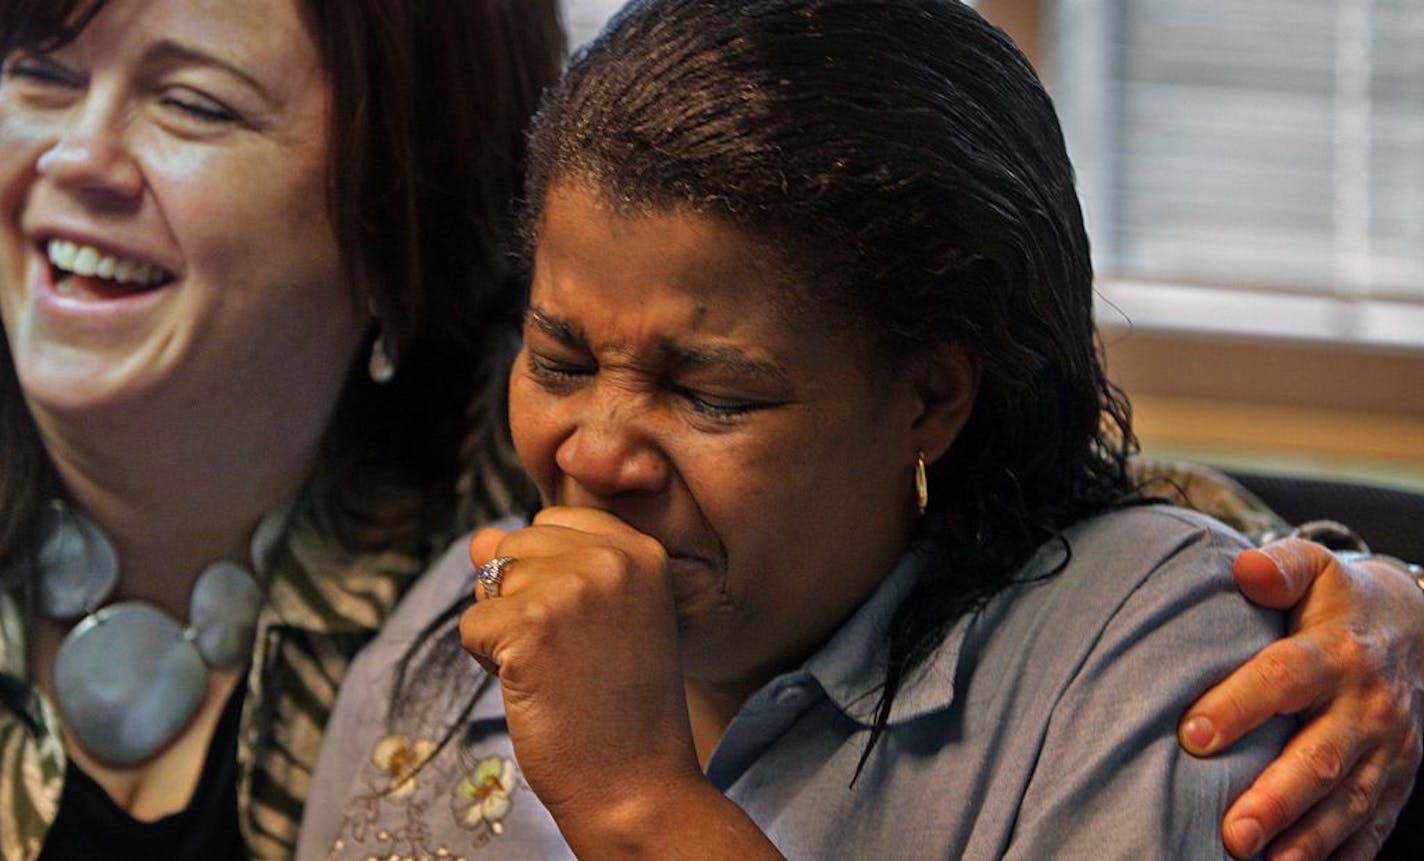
{"type": "Point", "coordinates": [491, 575]}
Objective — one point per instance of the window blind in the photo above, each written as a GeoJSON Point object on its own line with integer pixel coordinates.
{"type": "Point", "coordinates": [1251, 165]}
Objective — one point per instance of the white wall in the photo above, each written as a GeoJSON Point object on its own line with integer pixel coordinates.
{"type": "Point", "coordinates": [583, 18]}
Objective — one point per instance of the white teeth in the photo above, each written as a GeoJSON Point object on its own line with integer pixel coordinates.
{"type": "Point", "coordinates": [86, 261]}
{"type": "Point", "coordinates": [61, 254]}
{"type": "Point", "coordinates": [91, 262]}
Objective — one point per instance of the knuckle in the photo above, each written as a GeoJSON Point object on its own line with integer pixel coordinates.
{"type": "Point", "coordinates": [1357, 655]}
{"type": "Point", "coordinates": [1324, 762]}
{"type": "Point", "coordinates": [534, 617]}
{"type": "Point", "coordinates": [1356, 851]}
{"type": "Point", "coordinates": [1311, 844]}
{"type": "Point", "coordinates": [1411, 748]}
{"type": "Point", "coordinates": [651, 549]}
{"type": "Point", "coordinates": [1360, 795]}
{"type": "Point", "coordinates": [1273, 673]}
{"type": "Point", "coordinates": [1381, 711]}
{"type": "Point", "coordinates": [1272, 808]}
{"type": "Point", "coordinates": [468, 631]}
{"type": "Point", "coordinates": [1372, 839]}
{"type": "Point", "coordinates": [1280, 667]}
{"type": "Point", "coordinates": [1365, 843]}
{"type": "Point", "coordinates": [1383, 822]}
{"type": "Point", "coordinates": [606, 560]}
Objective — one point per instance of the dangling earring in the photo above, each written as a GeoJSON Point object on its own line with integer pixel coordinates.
{"type": "Point", "coordinates": [922, 484]}
{"type": "Point", "coordinates": [382, 366]}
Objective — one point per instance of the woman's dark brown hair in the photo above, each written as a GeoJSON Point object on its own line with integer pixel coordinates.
{"type": "Point", "coordinates": [430, 100]}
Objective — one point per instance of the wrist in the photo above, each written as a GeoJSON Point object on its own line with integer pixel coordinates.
{"type": "Point", "coordinates": [1410, 570]}
{"type": "Point", "coordinates": [683, 817]}
{"type": "Point", "coordinates": [1348, 546]}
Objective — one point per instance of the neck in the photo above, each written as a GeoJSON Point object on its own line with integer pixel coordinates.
{"type": "Point", "coordinates": [711, 708]}
{"type": "Point", "coordinates": [170, 508]}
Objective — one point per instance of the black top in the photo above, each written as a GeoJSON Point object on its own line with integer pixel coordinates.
{"type": "Point", "coordinates": [92, 827]}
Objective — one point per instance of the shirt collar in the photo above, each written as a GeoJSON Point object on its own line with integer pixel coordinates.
{"type": "Point", "coordinates": [851, 666]}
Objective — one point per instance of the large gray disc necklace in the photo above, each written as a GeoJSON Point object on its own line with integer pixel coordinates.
{"type": "Point", "coordinates": [129, 677]}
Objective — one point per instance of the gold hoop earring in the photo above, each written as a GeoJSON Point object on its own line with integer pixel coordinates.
{"type": "Point", "coordinates": [922, 484]}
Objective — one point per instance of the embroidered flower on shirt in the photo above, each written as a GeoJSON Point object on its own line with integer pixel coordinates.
{"type": "Point", "coordinates": [398, 757]}
{"type": "Point", "coordinates": [482, 798]}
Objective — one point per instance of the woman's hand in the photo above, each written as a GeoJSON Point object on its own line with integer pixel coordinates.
{"type": "Point", "coordinates": [1353, 669]}
{"type": "Point", "coordinates": [583, 636]}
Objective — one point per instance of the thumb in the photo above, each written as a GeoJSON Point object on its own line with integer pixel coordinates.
{"type": "Point", "coordinates": [1280, 573]}
{"type": "Point", "coordinates": [485, 544]}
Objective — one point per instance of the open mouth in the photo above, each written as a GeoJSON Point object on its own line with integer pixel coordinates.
{"type": "Point", "coordinates": [85, 272]}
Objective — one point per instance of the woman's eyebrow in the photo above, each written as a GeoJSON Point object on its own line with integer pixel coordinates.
{"type": "Point", "coordinates": [674, 354]}
{"type": "Point", "coordinates": [724, 358]}
{"type": "Point", "coordinates": [557, 328]}
{"type": "Point", "coordinates": [170, 53]}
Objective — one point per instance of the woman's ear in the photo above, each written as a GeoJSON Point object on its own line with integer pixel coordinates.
{"type": "Point", "coordinates": [946, 380]}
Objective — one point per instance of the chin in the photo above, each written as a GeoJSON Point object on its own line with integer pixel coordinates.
{"type": "Point", "coordinates": [77, 382]}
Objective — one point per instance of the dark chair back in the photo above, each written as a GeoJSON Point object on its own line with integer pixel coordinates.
{"type": "Point", "coordinates": [1390, 519]}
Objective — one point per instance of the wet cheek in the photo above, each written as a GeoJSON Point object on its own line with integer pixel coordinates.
{"type": "Point", "coordinates": [535, 439]}
{"type": "Point", "coordinates": [747, 502]}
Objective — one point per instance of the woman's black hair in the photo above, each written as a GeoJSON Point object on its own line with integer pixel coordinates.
{"type": "Point", "coordinates": [901, 159]}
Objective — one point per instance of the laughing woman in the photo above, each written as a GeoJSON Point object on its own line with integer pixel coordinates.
{"type": "Point", "coordinates": [839, 555]}
{"type": "Point", "coordinates": [211, 215]}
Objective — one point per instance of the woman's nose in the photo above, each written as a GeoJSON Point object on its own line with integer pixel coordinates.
{"type": "Point", "coordinates": [608, 457]}
{"type": "Point", "coordinates": [92, 160]}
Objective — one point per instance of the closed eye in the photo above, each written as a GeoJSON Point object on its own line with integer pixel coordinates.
{"type": "Point", "coordinates": [550, 369]}
{"type": "Point", "coordinates": [716, 406]}
{"type": "Point", "coordinates": [197, 106]}
{"type": "Point", "coordinates": [40, 71]}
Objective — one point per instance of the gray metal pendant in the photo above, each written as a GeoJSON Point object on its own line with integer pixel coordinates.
{"type": "Point", "coordinates": [79, 563]}
{"type": "Point", "coordinates": [222, 613]}
{"type": "Point", "coordinates": [129, 677]}
{"type": "Point", "coordinates": [127, 680]}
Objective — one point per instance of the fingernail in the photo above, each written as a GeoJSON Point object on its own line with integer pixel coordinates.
{"type": "Point", "coordinates": [1199, 733]}
{"type": "Point", "coordinates": [1248, 833]}
{"type": "Point", "coordinates": [1292, 854]}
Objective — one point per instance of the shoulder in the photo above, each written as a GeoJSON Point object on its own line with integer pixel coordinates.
{"type": "Point", "coordinates": [413, 635]}
{"type": "Point", "coordinates": [1152, 573]}
{"type": "Point", "coordinates": [1131, 588]}
{"type": "Point", "coordinates": [1142, 617]}
{"type": "Point", "coordinates": [403, 694]}
{"type": "Point", "coordinates": [1101, 566]}
{"type": "Point", "coordinates": [448, 582]}
{"type": "Point", "coordinates": [1145, 536]}
{"type": "Point", "coordinates": [14, 630]}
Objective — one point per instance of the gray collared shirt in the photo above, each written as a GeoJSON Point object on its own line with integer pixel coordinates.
{"type": "Point", "coordinates": [1044, 726]}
